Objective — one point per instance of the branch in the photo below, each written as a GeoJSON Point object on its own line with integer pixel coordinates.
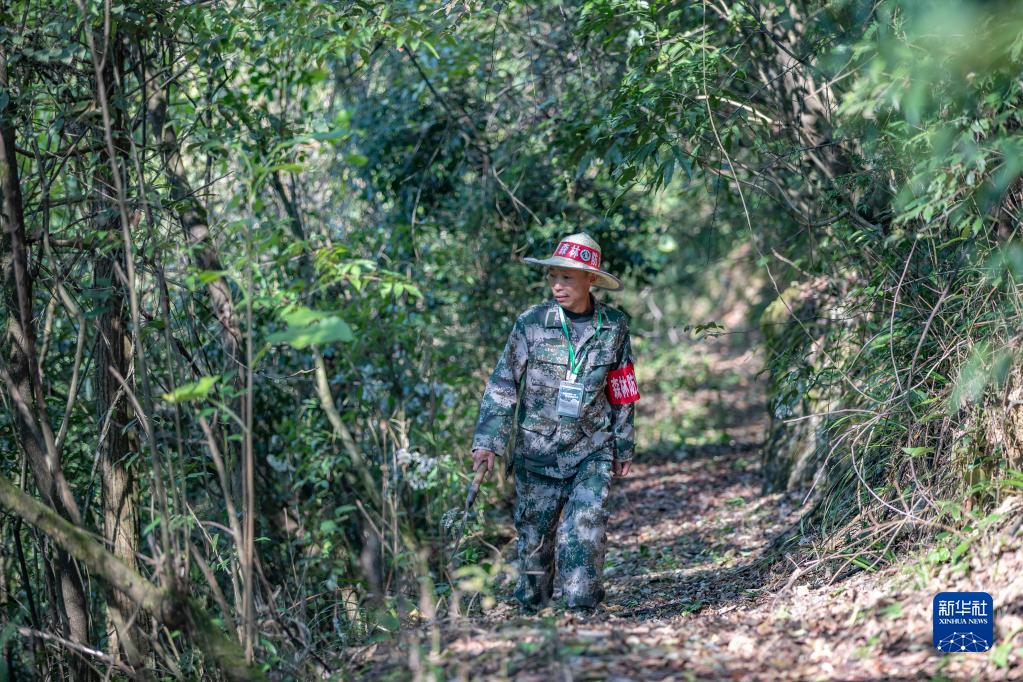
{"type": "Point", "coordinates": [175, 610]}
{"type": "Point", "coordinates": [342, 431]}
{"type": "Point", "coordinates": [77, 648]}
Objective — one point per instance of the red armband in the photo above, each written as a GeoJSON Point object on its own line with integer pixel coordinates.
{"type": "Point", "coordinates": [621, 386]}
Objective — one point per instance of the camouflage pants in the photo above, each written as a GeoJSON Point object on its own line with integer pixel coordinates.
{"type": "Point", "coordinates": [563, 521]}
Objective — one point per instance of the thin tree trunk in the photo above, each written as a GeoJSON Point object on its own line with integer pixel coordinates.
{"type": "Point", "coordinates": [113, 351]}
{"type": "Point", "coordinates": [195, 224]}
{"type": "Point", "coordinates": [20, 372]}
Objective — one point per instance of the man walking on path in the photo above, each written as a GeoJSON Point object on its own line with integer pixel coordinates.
{"type": "Point", "coordinates": [569, 360]}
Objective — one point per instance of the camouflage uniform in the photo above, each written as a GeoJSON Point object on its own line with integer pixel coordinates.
{"type": "Point", "coordinates": [562, 465]}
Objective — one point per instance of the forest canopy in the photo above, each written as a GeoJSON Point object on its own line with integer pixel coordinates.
{"type": "Point", "coordinates": [259, 257]}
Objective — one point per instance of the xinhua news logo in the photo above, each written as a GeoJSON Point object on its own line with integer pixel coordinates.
{"type": "Point", "coordinates": [963, 621]}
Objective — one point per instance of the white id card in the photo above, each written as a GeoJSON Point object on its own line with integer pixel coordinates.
{"type": "Point", "coordinates": [570, 399]}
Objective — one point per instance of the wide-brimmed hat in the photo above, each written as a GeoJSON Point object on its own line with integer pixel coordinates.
{"type": "Point", "coordinates": [580, 251]}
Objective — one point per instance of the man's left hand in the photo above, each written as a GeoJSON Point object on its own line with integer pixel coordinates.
{"type": "Point", "coordinates": [621, 468]}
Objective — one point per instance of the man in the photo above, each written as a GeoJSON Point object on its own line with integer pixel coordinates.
{"type": "Point", "coordinates": [569, 361]}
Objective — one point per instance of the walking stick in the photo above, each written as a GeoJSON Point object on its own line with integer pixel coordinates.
{"type": "Point", "coordinates": [481, 473]}
{"type": "Point", "coordinates": [474, 489]}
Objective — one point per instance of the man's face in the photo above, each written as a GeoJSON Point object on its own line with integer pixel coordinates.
{"type": "Point", "coordinates": [571, 288]}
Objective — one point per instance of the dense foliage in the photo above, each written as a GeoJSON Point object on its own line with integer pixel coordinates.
{"type": "Point", "coordinates": [258, 257]}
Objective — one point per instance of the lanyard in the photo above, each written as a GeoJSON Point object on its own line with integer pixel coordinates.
{"type": "Point", "coordinates": [575, 365]}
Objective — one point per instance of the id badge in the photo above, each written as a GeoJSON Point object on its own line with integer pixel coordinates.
{"type": "Point", "coordinates": [570, 399]}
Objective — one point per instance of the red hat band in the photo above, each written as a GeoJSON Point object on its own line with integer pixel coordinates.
{"type": "Point", "coordinates": [579, 252]}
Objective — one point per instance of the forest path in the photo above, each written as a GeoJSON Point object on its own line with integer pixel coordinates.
{"type": "Point", "coordinates": [695, 590]}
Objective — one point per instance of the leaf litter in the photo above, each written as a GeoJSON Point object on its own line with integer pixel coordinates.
{"type": "Point", "coordinates": [697, 588]}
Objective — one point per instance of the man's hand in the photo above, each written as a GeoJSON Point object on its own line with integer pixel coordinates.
{"type": "Point", "coordinates": [480, 456]}
{"type": "Point", "coordinates": [621, 468]}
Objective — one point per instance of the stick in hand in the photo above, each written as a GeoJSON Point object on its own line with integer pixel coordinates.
{"type": "Point", "coordinates": [474, 489]}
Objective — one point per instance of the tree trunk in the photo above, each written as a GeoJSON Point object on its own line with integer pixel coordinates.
{"type": "Point", "coordinates": [113, 352]}
{"type": "Point", "coordinates": [195, 224]}
{"type": "Point", "coordinates": [20, 372]}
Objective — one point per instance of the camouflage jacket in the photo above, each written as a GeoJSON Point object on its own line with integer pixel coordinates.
{"type": "Point", "coordinates": [535, 359]}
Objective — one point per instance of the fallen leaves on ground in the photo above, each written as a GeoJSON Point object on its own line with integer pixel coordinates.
{"type": "Point", "coordinates": [695, 592]}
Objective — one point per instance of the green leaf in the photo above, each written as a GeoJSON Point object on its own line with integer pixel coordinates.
{"type": "Point", "coordinates": [862, 563]}
{"type": "Point", "coordinates": [192, 391]}
{"type": "Point", "coordinates": [207, 276]}
{"type": "Point", "coordinates": [960, 549]}
{"type": "Point", "coordinates": [151, 526]}
{"type": "Point", "coordinates": [1000, 654]}
{"type": "Point", "coordinates": [307, 327]}
{"type": "Point", "coordinates": [329, 135]}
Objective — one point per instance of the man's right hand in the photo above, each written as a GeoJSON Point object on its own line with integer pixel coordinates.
{"type": "Point", "coordinates": [480, 457]}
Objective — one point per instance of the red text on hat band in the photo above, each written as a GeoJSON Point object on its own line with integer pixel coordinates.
{"type": "Point", "coordinates": [578, 252]}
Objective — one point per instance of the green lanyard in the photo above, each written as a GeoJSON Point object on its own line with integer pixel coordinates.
{"type": "Point", "coordinates": [575, 365]}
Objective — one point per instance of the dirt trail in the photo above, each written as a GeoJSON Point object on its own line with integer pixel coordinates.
{"type": "Point", "coordinates": [695, 590]}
